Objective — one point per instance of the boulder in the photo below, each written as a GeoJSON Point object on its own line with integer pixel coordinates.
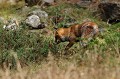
{"type": "Point", "coordinates": [33, 21]}
{"type": "Point", "coordinates": [41, 26]}
{"type": "Point", "coordinates": [36, 19]}
{"type": "Point", "coordinates": [41, 14]}
{"type": "Point", "coordinates": [109, 12]}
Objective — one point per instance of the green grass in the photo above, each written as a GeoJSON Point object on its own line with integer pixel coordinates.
{"type": "Point", "coordinates": [31, 54]}
{"type": "Point", "coordinates": [33, 47]}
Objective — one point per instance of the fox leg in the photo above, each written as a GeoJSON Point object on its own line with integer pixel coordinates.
{"type": "Point", "coordinates": [69, 45]}
{"type": "Point", "coordinates": [72, 40]}
{"type": "Point", "coordinates": [84, 41]}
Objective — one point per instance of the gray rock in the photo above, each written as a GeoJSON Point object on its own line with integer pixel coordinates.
{"type": "Point", "coordinates": [49, 1]}
{"type": "Point", "coordinates": [41, 14]}
{"type": "Point", "coordinates": [36, 19]}
{"type": "Point", "coordinates": [11, 25]}
{"type": "Point", "coordinates": [33, 21]}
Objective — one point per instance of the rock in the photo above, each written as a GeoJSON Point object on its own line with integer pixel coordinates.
{"type": "Point", "coordinates": [49, 1]}
{"type": "Point", "coordinates": [36, 19]}
{"type": "Point", "coordinates": [110, 12]}
{"type": "Point", "coordinates": [40, 26]}
{"type": "Point", "coordinates": [40, 18]}
{"type": "Point", "coordinates": [11, 25]}
{"type": "Point", "coordinates": [33, 21]}
{"type": "Point", "coordinates": [41, 14]}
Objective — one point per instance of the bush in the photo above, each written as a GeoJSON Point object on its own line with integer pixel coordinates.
{"type": "Point", "coordinates": [29, 46]}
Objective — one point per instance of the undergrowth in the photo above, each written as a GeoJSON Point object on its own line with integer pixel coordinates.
{"type": "Point", "coordinates": [33, 47]}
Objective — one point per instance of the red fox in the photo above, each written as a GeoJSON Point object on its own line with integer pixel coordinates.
{"type": "Point", "coordinates": [85, 31]}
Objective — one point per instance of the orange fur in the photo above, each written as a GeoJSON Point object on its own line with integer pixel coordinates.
{"type": "Point", "coordinates": [85, 30]}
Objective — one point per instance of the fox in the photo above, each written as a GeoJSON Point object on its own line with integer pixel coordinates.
{"type": "Point", "coordinates": [86, 31]}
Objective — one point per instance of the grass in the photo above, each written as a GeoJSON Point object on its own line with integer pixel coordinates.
{"type": "Point", "coordinates": [51, 70]}
{"type": "Point", "coordinates": [29, 54]}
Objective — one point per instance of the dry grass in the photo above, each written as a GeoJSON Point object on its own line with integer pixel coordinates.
{"type": "Point", "coordinates": [71, 72]}
{"type": "Point", "coordinates": [51, 70]}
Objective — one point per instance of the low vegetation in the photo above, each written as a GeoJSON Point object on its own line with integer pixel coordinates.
{"type": "Point", "coordinates": [24, 53]}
